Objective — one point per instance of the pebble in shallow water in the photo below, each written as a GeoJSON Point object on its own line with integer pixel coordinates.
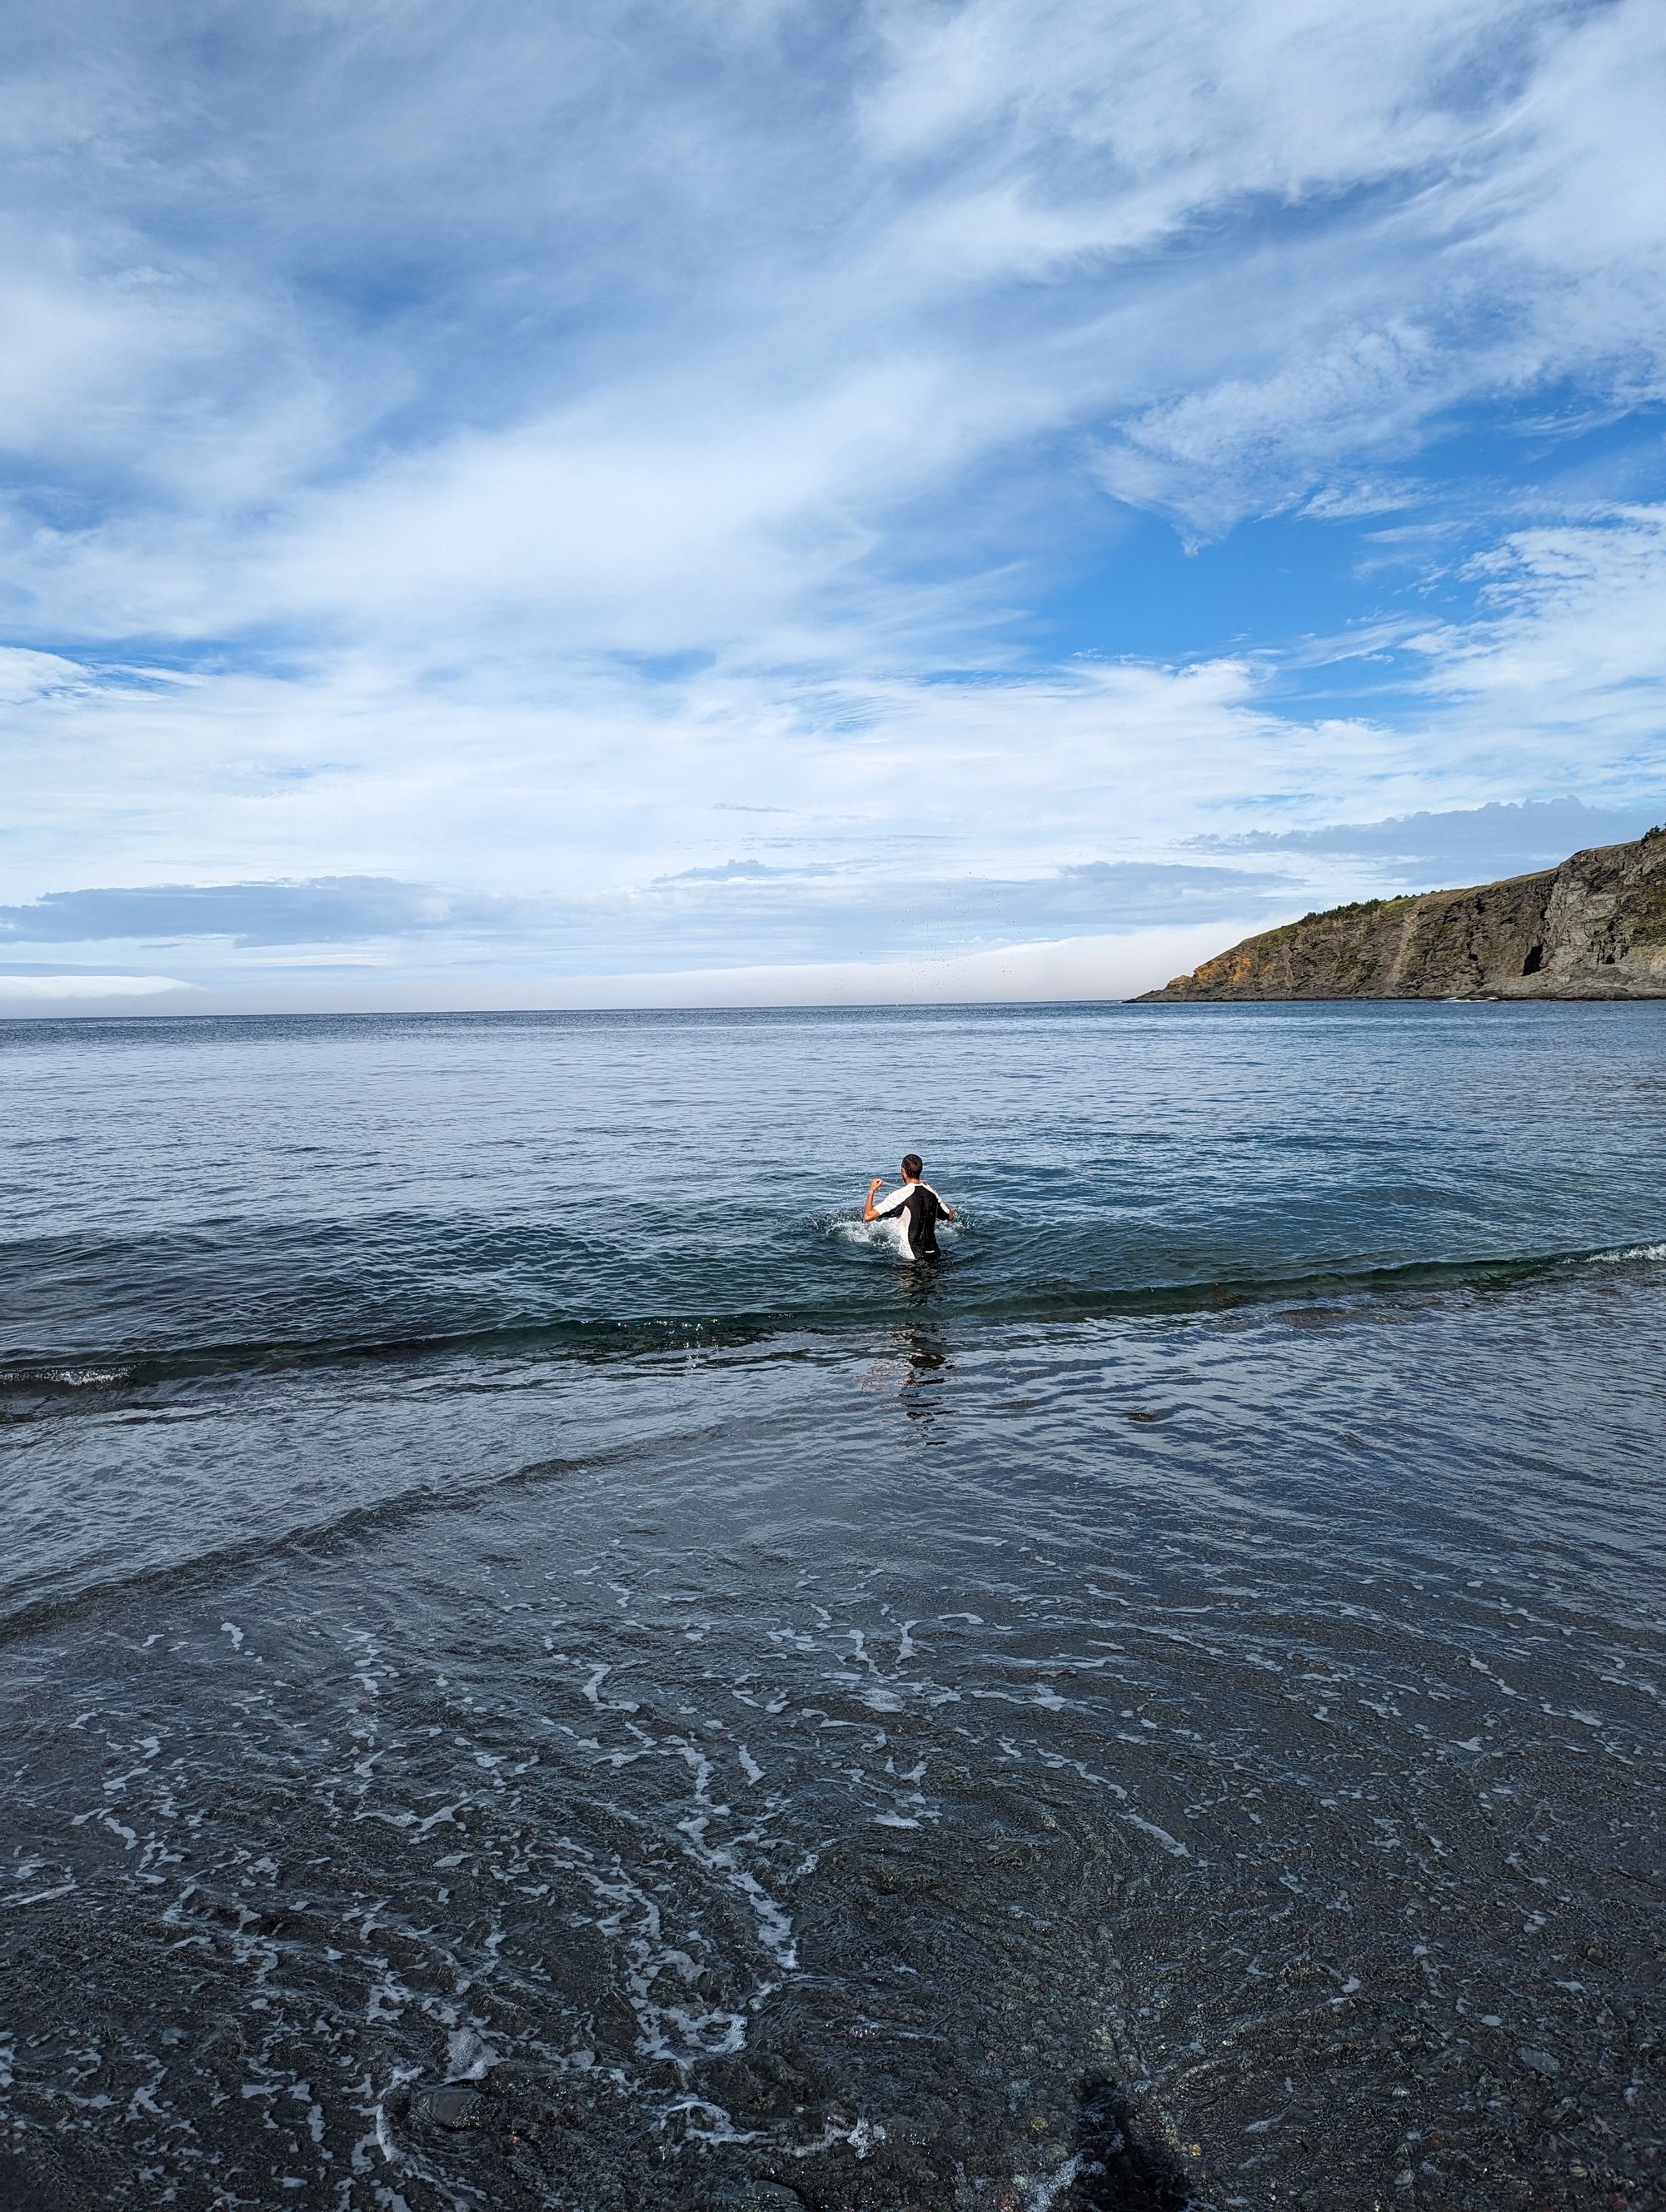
{"type": "Point", "coordinates": [450, 2104]}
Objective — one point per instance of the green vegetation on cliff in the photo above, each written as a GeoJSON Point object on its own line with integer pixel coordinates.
{"type": "Point", "coordinates": [1593, 928]}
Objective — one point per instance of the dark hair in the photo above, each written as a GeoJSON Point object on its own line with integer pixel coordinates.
{"type": "Point", "coordinates": [912, 1166]}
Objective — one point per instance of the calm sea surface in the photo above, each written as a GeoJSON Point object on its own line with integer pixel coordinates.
{"type": "Point", "coordinates": [544, 1668]}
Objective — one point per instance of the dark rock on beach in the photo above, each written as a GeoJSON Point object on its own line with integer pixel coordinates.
{"type": "Point", "coordinates": [449, 2104]}
{"type": "Point", "coordinates": [1593, 928]}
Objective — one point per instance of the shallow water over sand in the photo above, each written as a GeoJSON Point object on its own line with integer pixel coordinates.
{"type": "Point", "coordinates": [1203, 1747]}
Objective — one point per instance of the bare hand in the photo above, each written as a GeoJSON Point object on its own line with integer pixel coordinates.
{"type": "Point", "coordinates": [874, 1185]}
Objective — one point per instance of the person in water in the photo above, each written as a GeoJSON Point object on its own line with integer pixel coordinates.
{"type": "Point", "coordinates": [918, 1208]}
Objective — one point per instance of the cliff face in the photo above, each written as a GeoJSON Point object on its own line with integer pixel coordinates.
{"type": "Point", "coordinates": [1593, 928]}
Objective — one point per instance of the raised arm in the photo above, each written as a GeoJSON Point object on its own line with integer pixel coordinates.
{"type": "Point", "coordinates": [868, 1214]}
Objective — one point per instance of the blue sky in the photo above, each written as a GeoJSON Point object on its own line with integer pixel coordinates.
{"type": "Point", "coordinates": [749, 499]}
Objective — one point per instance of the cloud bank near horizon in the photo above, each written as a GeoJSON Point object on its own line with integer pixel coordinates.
{"type": "Point", "coordinates": [489, 496]}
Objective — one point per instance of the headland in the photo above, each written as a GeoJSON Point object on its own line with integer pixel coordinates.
{"type": "Point", "coordinates": [1594, 927]}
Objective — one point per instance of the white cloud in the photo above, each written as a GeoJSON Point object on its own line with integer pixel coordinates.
{"type": "Point", "coordinates": [1568, 654]}
{"type": "Point", "coordinates": [1082, 968]}
{"type": "Point", "coordinates": [26, 675]}
{"type": "Point", "coordinates": [1455, 162]}
{"type": "Point", "coordinates": [519, 442]}
{"type": "Point", "coordinates": [33, 993]}
{"type": "Point", "coordinates": [646, 377]}
{"type": "Point", "coordinates": [496, 785]}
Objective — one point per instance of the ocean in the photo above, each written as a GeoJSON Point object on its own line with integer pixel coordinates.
{"type": "Point", "coordinates": [544, 1668]}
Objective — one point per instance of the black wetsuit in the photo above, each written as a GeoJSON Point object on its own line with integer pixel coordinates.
{"type": "Point", "coordinates": [921, 1209]}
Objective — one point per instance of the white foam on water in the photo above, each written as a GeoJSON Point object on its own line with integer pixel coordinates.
{"type": "Point", "coordinates": [37, 1896]}
{"type": "Point", "coordinates": [885, 1236]}
{"type": "Point", "coordinates": [469, 2057]}
{"type": "Point", "coordinates": [1046, 2191]}
{"type": "Point", "coordinates": [384, 2141]}
{"type": "Point", "coordinates": [302, 2093]}
{"type": "Point", "coordinates": [721, 2127]}
{"type": "Point", "coordinates": [592, 1691]}
{"type": "Point", "coordinates": [1172, 1844]}
{"type": "Point", "coordinates": [862, 2136]}
{"type": "Point", "coordinates": [874, 1236]}
{"type": "Point", "coordinates": [664, 2030]}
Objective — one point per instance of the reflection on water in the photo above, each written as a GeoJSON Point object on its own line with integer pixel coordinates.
{"type": "Point", "coordinates": [925, 1353]}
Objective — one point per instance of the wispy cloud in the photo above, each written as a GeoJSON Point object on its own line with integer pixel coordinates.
{"type": "Point", "coordinates": [1499, 839]}
{"type": "Point", "coordinates": [24, 993]}
{"type": "Point", "coordinates": [693, 920]}
{"type": "Point", "coordinates": [476, 447]}
{"type": "Point", "coordinates": [1566, 642]}
{"type": "Point", "coordinates": [743, 871]}
{"type": "Point", "coordinates": [325, 909]}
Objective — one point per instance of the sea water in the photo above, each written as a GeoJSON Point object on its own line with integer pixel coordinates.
{"type": "Point", "coordinates": [545, 1667]}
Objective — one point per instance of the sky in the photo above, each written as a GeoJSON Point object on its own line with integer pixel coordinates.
{"type": "Point", "coordinates": [710, 502]}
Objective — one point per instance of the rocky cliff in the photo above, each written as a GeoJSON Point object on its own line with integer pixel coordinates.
{"type": "Point", "coordinates": [1593, 928]}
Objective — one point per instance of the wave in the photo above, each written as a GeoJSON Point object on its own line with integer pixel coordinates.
{"type": "Point", "coordinates": [22, 1614]}
{"type": "Point", "coordinates": [951, 1294]}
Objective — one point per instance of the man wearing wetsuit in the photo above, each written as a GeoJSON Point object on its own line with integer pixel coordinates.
{"type": "Point", "coordinates": [917, 1206]}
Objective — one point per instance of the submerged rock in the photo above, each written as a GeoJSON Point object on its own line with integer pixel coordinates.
{"type": "Point", "coordinates": [1120, 2166]}
{"type": "Point", "coordinates": [448, 2105]}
